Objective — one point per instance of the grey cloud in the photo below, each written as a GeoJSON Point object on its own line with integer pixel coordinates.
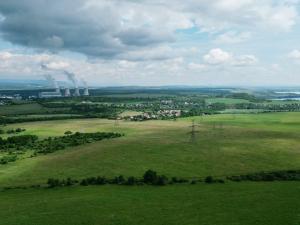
{"type": "Point", "coordinates": [114, 28]}
{"type": "Point", "coordinates": [94, 30]}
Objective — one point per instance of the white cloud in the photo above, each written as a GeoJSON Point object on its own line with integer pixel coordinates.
{"type": "Point", "coordinates": [245, 60]}
{"type": "Point", "coordinates": [57, 65]}
{"type": "Point", "coordinates": [295, 54]}
{"type": "Point", "coordinates": [5, 55]}
{"type": "Point", "coordinates": [217, 56]}
{"type": "Point", "coordinates": [232, 37]}
{"type": "Point", "coordinates": [196, 66]}
{"type": "Point", "coordinates": [278, 18]}
{"type": "Point", "coordinates": [108, 28]}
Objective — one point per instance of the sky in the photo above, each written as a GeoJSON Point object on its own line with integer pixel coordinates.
{"type": "Point", "coordinates": [152, 42]}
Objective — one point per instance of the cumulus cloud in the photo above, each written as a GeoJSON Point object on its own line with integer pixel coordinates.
{"type": "Point", "coordinates": [55, 65]}
{"type": "Point", "coordinates": [295, 55]}
{"type": "Point", "coordinates": [5, 55]}
{"type": "Point", "coordinates": [218, 56]}
{"type": "Point", "coordinates": [232, 37]}
{"type": "Point", "coordinates": [245, 60]}
{"type": "Point", "coordinates": [148, 40]}
{"type": "Point", "coordinates": [196, 66]}
{"type": "Point", "coordinates": [109, 28]}
{"type": "Point", "coordinates": [95, 28]}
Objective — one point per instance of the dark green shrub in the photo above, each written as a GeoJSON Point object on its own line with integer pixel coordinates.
{"type": "Point", "coordinates": [150, 177]}
{"type": "Point", "coordinates": [131, 181]}
{"type": "Point", "coordinates": [209, 180]}
{"type": "Point", "coordinates": [162, 180]}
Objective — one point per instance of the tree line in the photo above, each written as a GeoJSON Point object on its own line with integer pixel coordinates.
{"type": "Point", "coordinates": [22, 143]}
{"type": "Point", "coordinates": [52, 144]}
{"type": "Point", "coordinates": [150, 177]}
{"type": "Point", "coordinates": [283, 175]}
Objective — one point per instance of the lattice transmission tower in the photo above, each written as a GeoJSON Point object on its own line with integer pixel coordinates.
{"type": "Point", "coordinates": [193, 132]}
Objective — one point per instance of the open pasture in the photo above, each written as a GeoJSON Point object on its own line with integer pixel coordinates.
{"type": "Point", "coordinates": [224, 145]}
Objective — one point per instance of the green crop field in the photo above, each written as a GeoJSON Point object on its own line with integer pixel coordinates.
{"type": "Point", "coordinates": [225, 145]}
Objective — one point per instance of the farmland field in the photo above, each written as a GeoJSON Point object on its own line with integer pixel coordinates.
{"type": "Point", "coordinates": [225, 145]}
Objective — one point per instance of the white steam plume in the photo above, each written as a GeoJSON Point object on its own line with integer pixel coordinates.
{"type": "Point", "coordinates": [72, 78]}
{"type": "Point", "coordinates": [51, 80]}
{"type": "Point", "coordinates": [84, 83]}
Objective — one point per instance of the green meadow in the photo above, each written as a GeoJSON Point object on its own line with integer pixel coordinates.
{"type": "Point", "coordinates": [225, 144]}
{"type": "Point", "coordinates": [239, 204]}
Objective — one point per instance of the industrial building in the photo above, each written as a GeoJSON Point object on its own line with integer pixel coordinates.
{"type": "Point", "coordinates": [66, 93]}
{"type": "Point", "coordinates": [52, 94]}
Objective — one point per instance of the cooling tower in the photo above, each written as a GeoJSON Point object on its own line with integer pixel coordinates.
{"type": "Point", "coordinates": [76, 93]}
{"type": "Point", "coordinates": [67, 92]}
{"type": "Point", "coordinates": [86, 92]}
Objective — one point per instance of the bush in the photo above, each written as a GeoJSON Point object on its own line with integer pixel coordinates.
{"type": "Point", "coordinates": [179, 180]}
{"type": "Point", "coordinates": [84, 182]}
{"type": "Point", "coordinates": [193, 182]}
{"type": "Point", "coordinates": [209, 180]}
{"type": "Point", "coordinates": [53, 183]}
{"type": "Point", "coordinates": [162, 180]}
{"type": "Point", "coordinates": [119, 180]}
{"type": "Point", "coordinates": [150, 177]}
{"type": "Point", "coordinates": [288, 175]}
{"type": "Point", "coordinates": [101, 180]}
{"type": "Point", "coordinates": [131, 181]}
{"type": "Point", "coordinates": [8, 158]}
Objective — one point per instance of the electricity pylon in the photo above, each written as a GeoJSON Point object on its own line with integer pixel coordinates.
{"type": "Point", "coordinates": [193, 132]}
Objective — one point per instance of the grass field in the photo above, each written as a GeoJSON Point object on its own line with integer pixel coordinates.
{"type": "Point", "coordinates": [238, 204]}
{"type": "Point", "coordinates": [225, 145]}
{"type": "Point", "coordinates": [23, 109]}
{"type": "Point", "coordinates": [130, 113]}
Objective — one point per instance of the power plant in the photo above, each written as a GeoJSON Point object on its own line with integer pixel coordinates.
{"type": "Point", "coordinates": [63, 92]}
{"type": "Point", "coordinates": [52, 94]}
{"type": "Point", "coordinates": [67, 92]}
{"type": "Point", "coordinates": [86, 91]}
{"type": "Point", "coordinates": [76, 93]}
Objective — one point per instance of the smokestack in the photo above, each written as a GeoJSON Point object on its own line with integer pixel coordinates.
{"type": "Point", "coordinates": [76, 93]}
{"type": "Point", "coordinates": [67, 92]}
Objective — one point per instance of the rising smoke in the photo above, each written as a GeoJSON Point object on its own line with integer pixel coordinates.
{"type": "Point", "coordinates": [84, 83]}
{"type": "Point", "coordinates": [51, 80]}
{"type": "Point", "coordinates": [72, 78]}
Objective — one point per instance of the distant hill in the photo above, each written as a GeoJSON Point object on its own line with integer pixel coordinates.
{"type": "Point", "coordinates": [11, 84]}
